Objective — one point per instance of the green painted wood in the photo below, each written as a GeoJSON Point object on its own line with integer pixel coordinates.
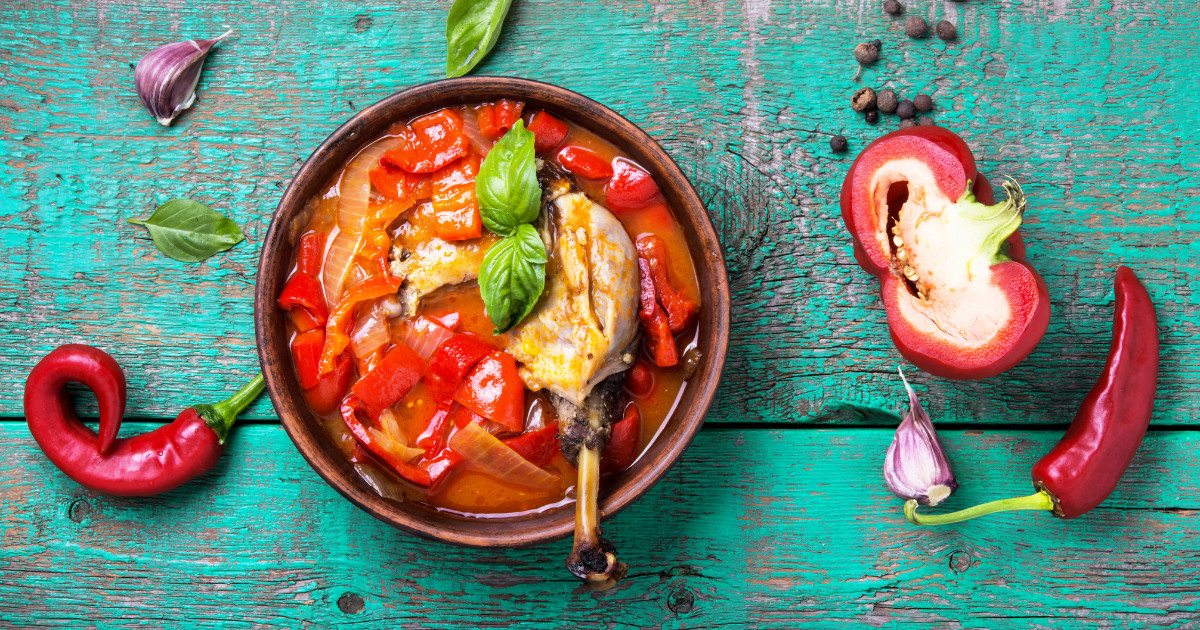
{"type": "Point", "coordinates": [806, 537]}
{"type": "Point", "coordinates": [1088, 104]}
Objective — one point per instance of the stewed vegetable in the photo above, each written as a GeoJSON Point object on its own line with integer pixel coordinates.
{"type": "Point", "coordinates": [490, 307]}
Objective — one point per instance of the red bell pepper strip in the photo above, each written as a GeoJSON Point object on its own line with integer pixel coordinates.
{"type": "Point", "coordinates": [538, 446]}
{"type": "Point", "coordinates": [679, 309]}
{"type": "Point", "coordinates": [306, 356]}
{"type": "Point", "coordinates": [305, 292]}
{"type": "Point", "coordinates": [958, 305]}
{"type": "Point", "coordinates": [325, 397]}
{"type": "Point", "coordinates": [391, 380]}
{"type": "Point", "coordinates": [584, 162]}
{"type": "Point", "coordinates": [394, 182]}
{"type": "Point", "coordinates": [309, 253]}
{"type": "Point", "coordinates": [351, 407]}
{"type": "Point", "coordinates": [433, 437]}
{"type": "Point", "coordinates": [337, 331]}
{"type": "Point", "coordinates": [658, 338]}
{"type": "Point", "coordinates": [460, 416]}
{"type": "Point", "coordinates": [623, 442]}
{"type": "Point", "coordinates": [1086, 465]}
{"type": "Point", "coordinates": [548, 132]}
{"type": "Point", "coordinates": [494, 390]}
{"type": "Point", "coordinates": [455, 206]}
{"type": "Point", "coordinates": [640, 381]}
{"type": "Point", "coordinates": [630, 188]}
{"type": "Point", "coordinates": [495, 120]}
{"type": "Point", "coordinates": [143, 465]}
{"type": "Point", "coordinates": [431, 142]}
{"type": "Point", "coordinates": [451, 363]}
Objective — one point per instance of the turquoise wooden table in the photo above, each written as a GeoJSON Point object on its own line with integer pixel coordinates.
{"type": "Point", "coordinates": [777, 516]}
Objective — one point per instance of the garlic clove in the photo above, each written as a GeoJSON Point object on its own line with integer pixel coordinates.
{"type": "Point", "coordinates": [166, 77]}
{"type": "Point", "coordinates": [916, 466]}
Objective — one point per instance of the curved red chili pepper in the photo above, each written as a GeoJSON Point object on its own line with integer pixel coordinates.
{"type": "Point", "coordinates": [147, 464]}
{"type": "Point", "coordinates": [956, 328]}
{"type": "Point", "coordinates": [1085, 466]}
{"type": "Point", "coordinates": [1083, 469]}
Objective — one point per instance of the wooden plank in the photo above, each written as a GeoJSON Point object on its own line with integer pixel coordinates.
{"type": "Point", "coordinates": [790, 528]}
{"type": "Point", "coordinates": [1082, 102]}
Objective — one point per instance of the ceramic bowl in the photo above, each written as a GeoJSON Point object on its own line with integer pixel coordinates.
{"type": "Point", "coordinates": [305, 429]}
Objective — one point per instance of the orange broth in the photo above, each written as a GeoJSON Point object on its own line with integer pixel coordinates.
{"type": "Point", "coordinates": [467, 489]}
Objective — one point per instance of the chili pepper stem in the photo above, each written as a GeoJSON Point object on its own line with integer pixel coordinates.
{"type": "Point", "coordinates": [220, 417]}
{"type": "Point", "coordinates": [1040, 500]}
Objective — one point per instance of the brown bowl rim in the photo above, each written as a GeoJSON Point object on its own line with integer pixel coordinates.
{"type": "Point", "coordinates": [702, 241]}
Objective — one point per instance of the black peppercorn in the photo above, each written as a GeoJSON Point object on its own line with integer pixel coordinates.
{"type": "Point", "coordinates": [946, 30]}
{"type": "Point", "coordinates": [893, 7]}
{"type": "Point", "coordinates": [905, 109]}
{"type": "Point", "coordinates": [908, 122]}
{"type": "Point", "coordinates": [838, 144]}
{"type": "Point", "coordinates": [925, 121]}
{"type": "Point", "coordinates": [872, 117]}
{"type": "Point", "coordinates": [916, 27]}
{"type": "Point", "coordinates": [886, 101]}
{"type": "Point", "coordinates": [863, 100]}
{"type": "Point", "coordinates": [923, 103]}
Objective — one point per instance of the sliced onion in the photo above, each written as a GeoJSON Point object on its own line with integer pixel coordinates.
{"type": "Point", "coordinates": [496, 458]}
{"type": "Point", "coordinates": [480, 143]}
{"type": "Point", "coordinates": [392, 439]}
{"type": "Point", "coordinates": [337, 265]}
{"type": "Point", "coordinates": [424, 335]}
{"type": "Point", "coordinates": [355, 188]}
{"type": "Point", "coordinates": [370, 330]}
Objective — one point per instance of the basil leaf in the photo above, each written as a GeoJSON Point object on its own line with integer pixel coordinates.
{"type": "Point", "coordinates": [512, 277]}
{"type": "Point", "coordinates": [472, 28]}
{"type": "Point", "coordinates": [507, 186]}
{"type": "Point", "coordinates": [189, 231]}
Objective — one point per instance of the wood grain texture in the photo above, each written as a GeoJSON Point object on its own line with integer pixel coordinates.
{"type": "Point", "coordinates": [1088, 104]}
{"type": "Point", "coordinates": [807, 538]}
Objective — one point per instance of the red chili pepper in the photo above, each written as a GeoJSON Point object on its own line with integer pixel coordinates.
{"type": "Point", "coordinates": [143, 465]}
{"type": "Point", "coordinates": [1083, 469]}
{"type": "Point", "coordinates": [623, 442]}
{"type": "Point", "coordinates": [548, 132]}
{"type": "Point", "coordinates": [538, 446]}
{"type": "Point", "coordinates": [958, 304]}
{"type": "Point", "coordinates": [584, 162]}
{"type": "Point", "coordinates": [630, 188]}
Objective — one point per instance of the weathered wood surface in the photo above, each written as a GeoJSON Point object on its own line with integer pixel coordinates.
{"type": "Point", "coordinates": [806, 538]}
{"type": "Point", "coordinates": [1091, 106]}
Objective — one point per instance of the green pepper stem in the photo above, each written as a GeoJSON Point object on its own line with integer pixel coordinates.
{"type": "Point", "coordinates": [220, 417]}
{"type": "Point", "coordinates": [1040, 500]}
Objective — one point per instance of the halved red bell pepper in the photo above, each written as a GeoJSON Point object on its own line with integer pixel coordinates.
{"type": "Point", "coordinates": [538, 446]}
{"type": "Point", "coordinates": [431, 142]}
{"type": "Point", "coordinates": [622, 449]}
{"type": "Point", "coordinates": [451, 363]}
{"type": "Point", "coordinates": [548, 132]}
{"type": "Point", "coordinates": [391, 379]}
{"type": "Point", "coordinates": [630, 188]}
{"type": "Point", "coordinates": [959, 303]}
{"type": "Point", "coordinates": [584, 162]}
{"type": "Point", "coordinates": [494, 390]}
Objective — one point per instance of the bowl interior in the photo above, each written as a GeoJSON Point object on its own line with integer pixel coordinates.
{"type": "Point", "coordinates": [305, 429]}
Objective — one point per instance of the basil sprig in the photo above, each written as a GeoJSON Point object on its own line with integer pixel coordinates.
{"type": "Point", "coordinates": [472, 28]}
{"type": "Point", "coordinates": [190, 231]}
{"type": "Point", "coordinates": [513, 273]}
